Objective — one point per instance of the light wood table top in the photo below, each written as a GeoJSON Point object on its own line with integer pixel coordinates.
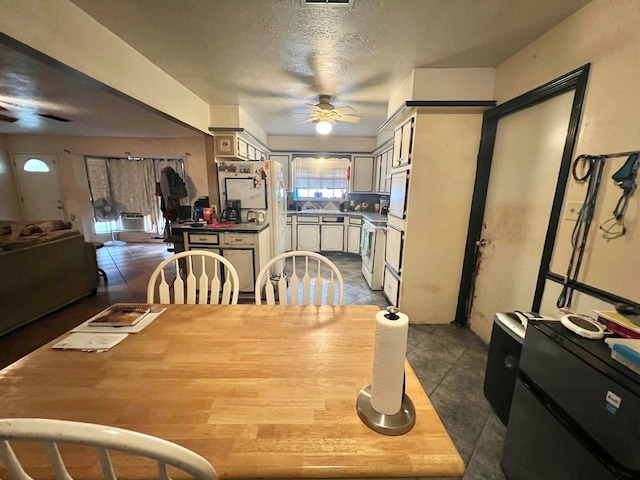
{"type": "Point", "coordinates": [259, 391]}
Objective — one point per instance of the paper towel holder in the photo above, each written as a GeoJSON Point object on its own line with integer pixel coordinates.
{"type": "Point", "coordinates": [397, 424]}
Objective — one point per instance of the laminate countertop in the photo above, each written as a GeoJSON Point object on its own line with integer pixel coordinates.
{"type": "Point", "coordinates": [246, 227]}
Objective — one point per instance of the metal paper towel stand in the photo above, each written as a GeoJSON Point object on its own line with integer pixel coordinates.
{"type": "Point", "coordinates": [396, 424]}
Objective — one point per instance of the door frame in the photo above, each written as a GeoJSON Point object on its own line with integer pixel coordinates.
{"type": "Point", "coordinates": [576, 79]}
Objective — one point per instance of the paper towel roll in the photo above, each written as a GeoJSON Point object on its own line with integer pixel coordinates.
{"type": "Point", "coordinates": [389, 353]}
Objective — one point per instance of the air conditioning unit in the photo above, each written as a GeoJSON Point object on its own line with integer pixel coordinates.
{"type": "Point", "coordinates": [134, 222]}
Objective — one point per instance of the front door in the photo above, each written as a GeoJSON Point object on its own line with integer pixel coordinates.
{"type": "Point", "coordinates": [524, 173]}
{"type": "Point", "coordinates": [38, 186]}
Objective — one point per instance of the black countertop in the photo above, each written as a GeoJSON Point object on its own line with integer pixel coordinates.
{"type": "Point", "coordinates": [246, 227]}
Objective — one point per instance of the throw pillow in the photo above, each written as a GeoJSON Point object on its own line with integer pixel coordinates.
{"type": "Point", "coordinates": [61, 225]}
{"type": "Point", "coordinates": [30, 230]}
{"type": "Point", "coordinates": [46, 227]}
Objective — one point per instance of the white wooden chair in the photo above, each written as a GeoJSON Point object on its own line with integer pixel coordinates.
{"type": "Point", "coordinates": [199, 272]}
{"type": "Point", "coordinates": [295, 283]}
{"type": "Point", "coordinates": [51, 433]}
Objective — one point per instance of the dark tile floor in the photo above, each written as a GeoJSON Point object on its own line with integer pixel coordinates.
{"type": "Point", "coordinates": [449, 361]}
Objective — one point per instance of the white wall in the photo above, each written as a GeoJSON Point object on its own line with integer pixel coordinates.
{"type": "Point", "coordinates": [9, 201]}
{"type": "Point", "coordinates": [70, 152]}
{"type": "Point", "coordinates": [604, 33]}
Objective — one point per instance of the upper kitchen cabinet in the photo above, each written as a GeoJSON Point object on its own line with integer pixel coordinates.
{"type": "Point", "coordinates": [362, 174]}
{"type": "Point", "coordinates": [285, 161]}
{"type": "Point", "coordinates": [233, 146]}
{"type": "Point", "coordinates": [403, 143]}
{"type": "Point", "coordinates": [382, 182]}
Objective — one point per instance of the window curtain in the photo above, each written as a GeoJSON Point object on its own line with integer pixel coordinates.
{"type": "Point", "coordinates": [131, 182]}
{"type": "Point", "coordinates": [324, 176]}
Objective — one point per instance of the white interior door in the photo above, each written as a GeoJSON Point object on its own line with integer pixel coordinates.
{"type": "Point", "coordinates": [37, 178]}
{"type": "Point", "coordinates": [524, 173]}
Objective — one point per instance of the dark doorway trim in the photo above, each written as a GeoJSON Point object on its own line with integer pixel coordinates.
{"type": "Point", "coordinates": [576, 79]}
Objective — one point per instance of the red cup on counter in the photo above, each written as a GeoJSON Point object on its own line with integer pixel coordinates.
{"type": "Point", "coordinates": [207, 214]}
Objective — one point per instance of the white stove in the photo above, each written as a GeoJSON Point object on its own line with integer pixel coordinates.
{"type": "Point", "coordinates": [372, 246]}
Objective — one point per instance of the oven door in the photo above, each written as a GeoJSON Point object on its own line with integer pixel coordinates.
{"type": "Point", "coordinates": [398, 195]}
{"type": "Point", "coordinates": [367, 246]}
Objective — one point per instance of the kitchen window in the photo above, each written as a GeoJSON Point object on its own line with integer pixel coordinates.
{"type": "Point", "coordinates": [321, 178]}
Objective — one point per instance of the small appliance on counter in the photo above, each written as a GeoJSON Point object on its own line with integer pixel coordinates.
{"type": "Point", "coordinates": [256, 216]}
{"type": "Point", "coordinates": [384, 206]}
{"type": "Point", "coordinates": [231, 212]}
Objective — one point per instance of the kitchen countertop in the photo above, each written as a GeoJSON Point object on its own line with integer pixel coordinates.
{"type": "Point", "coordinates": [246, 227]}
{"type": "Point", "coordinates": [370, 215]}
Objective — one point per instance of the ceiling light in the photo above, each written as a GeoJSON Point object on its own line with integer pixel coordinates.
{"type": "Point", "coordinates": [323, 127]}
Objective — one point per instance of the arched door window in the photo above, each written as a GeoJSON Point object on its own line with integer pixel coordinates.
{"type": "Point", "coordinates": [35, 165]}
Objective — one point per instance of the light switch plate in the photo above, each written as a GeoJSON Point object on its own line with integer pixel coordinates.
{"type": "Point", "coordinates": [572, 211]}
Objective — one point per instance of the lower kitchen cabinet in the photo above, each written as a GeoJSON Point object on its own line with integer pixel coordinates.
{"type": "Point", "coordinates": [332, 238]}
{"type": "Point", "coordinates": [353, 239]}
{"type": "Point", "coordinates": [391, 286]}
{"type": "Point", "coordinates": [242, 261]}
{"type": "Point", "coordinates": [247, 251]}
{"type": "Point", "coordinates": [288, 238]}
{"type": "Point", "coordinates": [308, 237]}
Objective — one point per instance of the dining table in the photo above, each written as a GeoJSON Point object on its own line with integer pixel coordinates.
{"type": "Point", "coordinates": [260, 391]}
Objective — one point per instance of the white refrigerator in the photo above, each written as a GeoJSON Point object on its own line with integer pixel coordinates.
{"type": "Point", "coordinates": [258, 186]}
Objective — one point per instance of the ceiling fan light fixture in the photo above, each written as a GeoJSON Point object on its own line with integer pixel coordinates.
{"type": "Point", "coordinates": [323, 127]}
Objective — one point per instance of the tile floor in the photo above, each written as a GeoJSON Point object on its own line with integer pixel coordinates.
{"type": "Point", "coordinates": [449, 361]}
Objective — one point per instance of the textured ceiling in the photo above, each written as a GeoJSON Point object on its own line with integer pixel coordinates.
{"type": "Point", "coordinates": [273, 56]}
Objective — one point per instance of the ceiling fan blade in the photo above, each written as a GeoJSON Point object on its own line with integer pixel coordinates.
{"type": "Point", "coordinates": [345, 109]}
{"type": "Point", "coordinates": [306, 121]}
{"type": "Point", "coordinates": [315, 107]}
{"type": "Point", "coordinates": [7, 118]}
{"type": "Point", "coordinates": [349, 119]}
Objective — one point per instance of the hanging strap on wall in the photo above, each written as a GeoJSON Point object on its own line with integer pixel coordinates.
{"type": "Point", "coordinates": [625, 178]}
{"type": "Point", "coordinates": [586, 168]}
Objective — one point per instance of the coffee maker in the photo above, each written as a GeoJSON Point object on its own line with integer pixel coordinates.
{"type": "Point", "coordinates": [231, 212]}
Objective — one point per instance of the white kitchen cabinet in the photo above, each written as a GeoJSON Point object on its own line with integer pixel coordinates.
{"type": "Point", "coordinates": [247, 251]}
{"type": "Point", "coordinates": [397, 143]}
{"type": "Point", "coordinates": [353, 239]}
{"type": "Point", "coordinates": [403, 144]}
{"type": "Point", "coordinates": [308, 237]}
{"type": "Point", "coordinates": [288, 238]}
{"type": "Point", "coordinates": [391, 286]}
{"type": "Point", "coordinates": [242, 261]}
{"type": "Point", "coordinates": [362, 174]}
{"type": "Point", "coordinates": [377, 181]}
{"type": "Point", "coordinates": [332, 238]}
{"type": "Point", "coordinates": [406, 149]}
{"type": "Point", "coordinates": [393, 248]}
{"type": "Point", "coordinates": [382, 177]}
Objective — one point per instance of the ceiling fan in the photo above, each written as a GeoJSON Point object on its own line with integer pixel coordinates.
{"type": "Point", "coordinates": [325, 115]}
{"type": "Point", "coordinates": [7, 116]}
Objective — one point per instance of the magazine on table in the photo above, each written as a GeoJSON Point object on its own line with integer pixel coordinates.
{"type": "Point", "coordinates": [90, 342]}
{"type": "Point", "coordinates": [112, 327]}
{"type": "Point", "coordinates": [120, 315]}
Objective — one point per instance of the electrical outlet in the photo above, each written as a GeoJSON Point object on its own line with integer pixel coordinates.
{"type": "Point", "coordinates": [572, 211]}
